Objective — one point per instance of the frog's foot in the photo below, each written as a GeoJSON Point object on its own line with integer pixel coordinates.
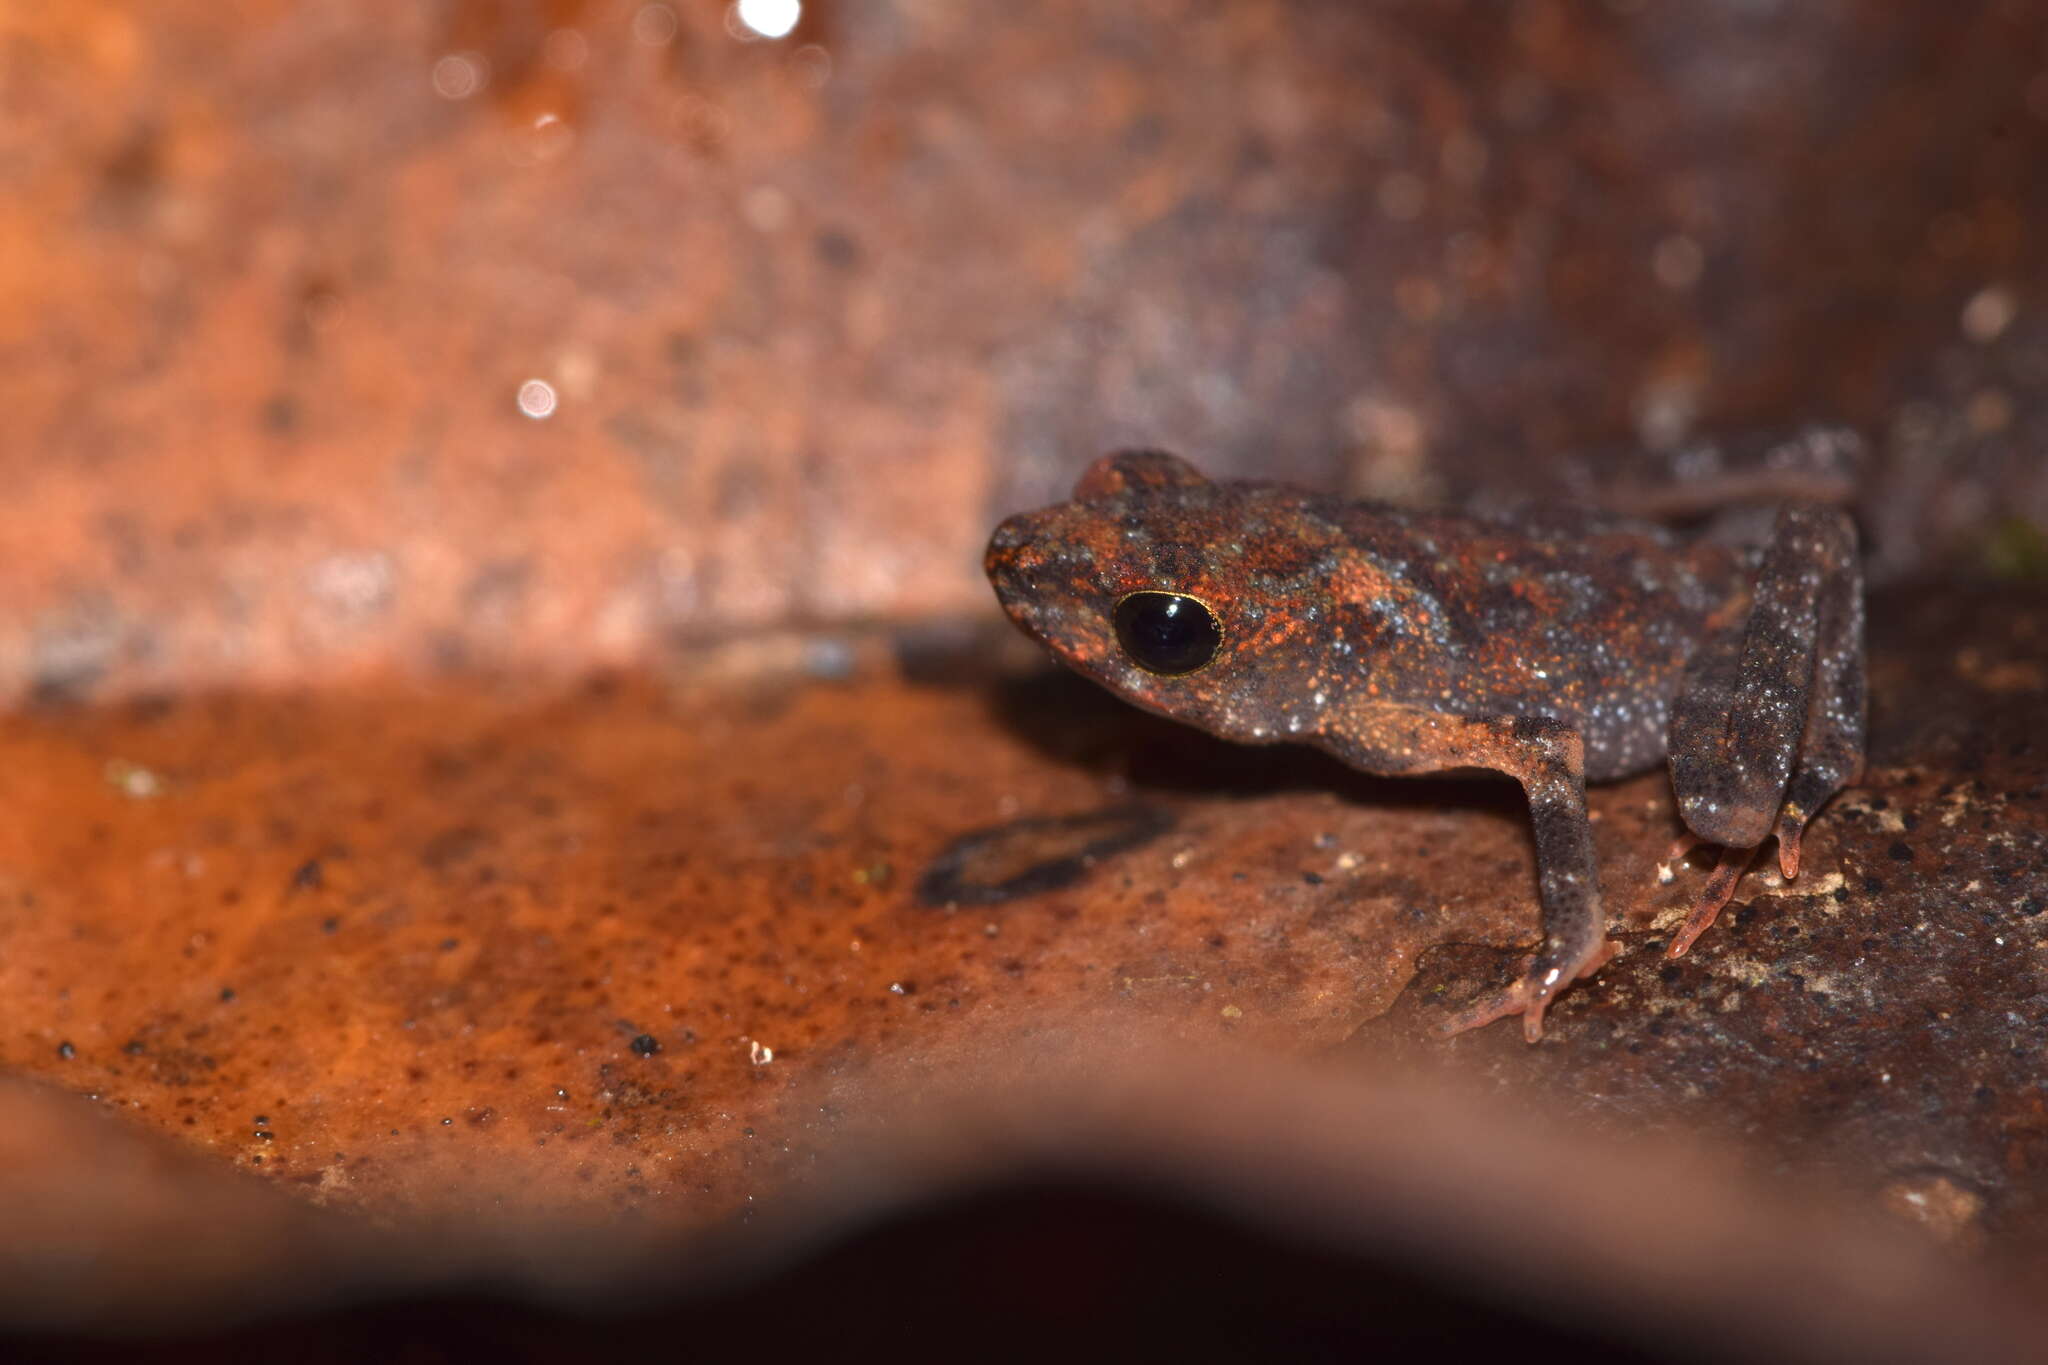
{"type": "Point", "coordinates": [1541, 977]}
{"type": "Point", "coordinates": [1714, 896]}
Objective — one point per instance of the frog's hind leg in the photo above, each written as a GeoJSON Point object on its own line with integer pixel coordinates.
{"type": "Point", "coordinates": [1831, 751]}
{"type": "Point", "coordinates": [1768, 723]}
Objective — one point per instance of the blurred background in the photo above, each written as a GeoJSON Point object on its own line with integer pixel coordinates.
{"type": "Point", "coordinates": [535, 335]}
{"type": "Point", "coordinates": [495, 650]}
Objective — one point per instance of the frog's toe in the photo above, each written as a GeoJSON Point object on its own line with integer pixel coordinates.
{"type": "Point", "coordinates": [1713, 898]}
{"type": "Point", "coordinates": [1514, 1000]}
{"type": "Point", "coordinates": [1539, 979]}
{"type": "Point", "coordinates": [1791, 826]}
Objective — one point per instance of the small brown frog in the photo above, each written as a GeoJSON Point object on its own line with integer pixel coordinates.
{"type": "Point", "coordinates": [1556, 647]}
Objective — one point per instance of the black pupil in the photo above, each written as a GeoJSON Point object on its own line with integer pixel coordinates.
{"type": "Point", "coordinates": [1166, 632]}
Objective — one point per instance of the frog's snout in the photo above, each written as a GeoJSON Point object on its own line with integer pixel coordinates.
{"type": "Point", "coordinates": [1010, 563]}
{"type": "Point", "coordinates": [1018, 549]}
{"type": "Point", "coordinates": [1008, 537]}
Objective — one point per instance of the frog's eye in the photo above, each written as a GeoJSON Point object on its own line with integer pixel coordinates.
{"type": "Point", "coordinates": [1166, 632]}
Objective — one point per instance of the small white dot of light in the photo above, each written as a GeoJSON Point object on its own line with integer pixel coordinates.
{"type": "Point", "coordinates": [537, 399]}
{"type": "Point", "coordinates": [459, 75]}
{"type": "Point", "coordinates": [1989, 312]}
{"type": "Point", "coordinates": [815, 63]}
{"type": "Point", "coordinates": [654, 25]}
{"type": "Point", "coordinates": [769, 18]}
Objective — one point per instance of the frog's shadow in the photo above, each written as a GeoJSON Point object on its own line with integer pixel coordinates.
{"type": "Point", "coordinates": [1071, 720]}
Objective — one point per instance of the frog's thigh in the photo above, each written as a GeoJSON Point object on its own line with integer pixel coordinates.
{"type": "Point", "coordinates": [1750, 691]}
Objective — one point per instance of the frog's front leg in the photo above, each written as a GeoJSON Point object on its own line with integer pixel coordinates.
{"type": "Point", "coordinates": [1551, 768]}
{"type": "Point", "coordinates": [1548, 758]}
{"type": "Point", "coordinates": [1768, 724]}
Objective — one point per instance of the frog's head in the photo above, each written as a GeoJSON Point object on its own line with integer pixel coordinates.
{"type": "Point", "coordinates": [1207, 602]}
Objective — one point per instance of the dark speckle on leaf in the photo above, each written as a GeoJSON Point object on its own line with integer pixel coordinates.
{"type": "Point", "coordinates": [646, 1045]}
{"type": "Point", "coordinates": [1900, 851]}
